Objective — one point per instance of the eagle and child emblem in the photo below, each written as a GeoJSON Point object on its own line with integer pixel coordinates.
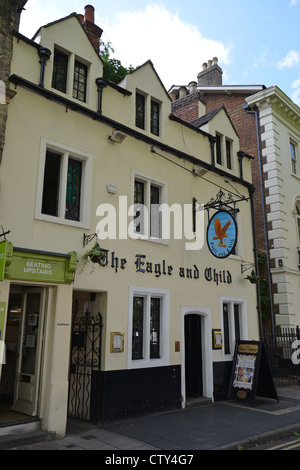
{"type": "Point", "coordinates": [222, 234]}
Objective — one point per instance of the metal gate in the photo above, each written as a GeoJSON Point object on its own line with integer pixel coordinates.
{"type": "Point", "coordinates": [85, 367]}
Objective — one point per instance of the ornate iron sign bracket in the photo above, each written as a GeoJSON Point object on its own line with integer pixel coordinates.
{"type": "Point", "coordinates": [222, 202]}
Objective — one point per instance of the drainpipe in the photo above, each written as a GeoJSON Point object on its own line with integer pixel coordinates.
{"type": "Point", "coordinates": [251, 193]}
{"type": "Point", "coordinates": [250, 111]}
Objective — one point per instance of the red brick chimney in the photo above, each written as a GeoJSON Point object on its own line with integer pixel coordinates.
{"type": "Point", "coordinates": [88, 22]}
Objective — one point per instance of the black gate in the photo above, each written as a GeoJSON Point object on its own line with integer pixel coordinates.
{"type": "Point", "coordinates": [280, 346]}
{"type": "Point", "coordinates": [85, 367]}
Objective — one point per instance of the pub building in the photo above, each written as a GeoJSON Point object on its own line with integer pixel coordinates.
{"type": "Point", "coordinates": [103, 169]}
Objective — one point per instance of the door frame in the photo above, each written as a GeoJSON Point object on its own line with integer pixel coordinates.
{"type": "Point", "coordinates": [207, 365]}
{"type": "Point", "coordinates": [40, 347]}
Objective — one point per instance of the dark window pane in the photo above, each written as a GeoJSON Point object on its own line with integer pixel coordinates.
{"type": "Point", "coordinates": [218, 149]}
{"type": "Point", "coordinates": [154, 118]}
{"type": "Point", "coordinates": [80, 81]}
{"type": "Point", "coordinates": [226, 328]}
{"type": "Point", "coordinates": [237, 322]}
{"type": "Point", "coordinates": [139, 192]}
{"type": "Point", "coordinates": [137, 328]}
{"type": "Point", "coordinates": [51, 184]}
{"type": "Point", "coordinates": [140, 111]}
{"type": "Point", "coordinates": [155, 328]}
{"type": "Point", "coordinates": [228, 154]}
{"type": "Point", "coordinates": [73, 189]}
{"type": "Point", "coordinates": [60, 70]}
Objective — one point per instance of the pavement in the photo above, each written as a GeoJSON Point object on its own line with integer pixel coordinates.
{"type": "Point", "coordinates": [228, 425]}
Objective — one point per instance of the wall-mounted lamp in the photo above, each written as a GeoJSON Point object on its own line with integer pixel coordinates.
{"type": "Point", "coordinates": [117, 137]}
{"type": "Point", "coordinates": [111, 188]}
{"type": "Point", "coordinates": [199, 171]}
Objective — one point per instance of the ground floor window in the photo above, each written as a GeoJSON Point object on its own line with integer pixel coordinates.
{"type": "Point", "coordinates": [234, 323]}
{"type": "Point", "coordinates": [148, 335]}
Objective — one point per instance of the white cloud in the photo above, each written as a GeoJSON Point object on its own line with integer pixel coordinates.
{"type": "Point", "coordinates": [37, 14]}
{"type": "Point", "coordinates": [296, 94]}
{"type": "Point", "coordinates": [177, 49]}
{"type": "Point", "coordinates": [294, 3]}
{"type": "Point", "coordinates": [290, 60]}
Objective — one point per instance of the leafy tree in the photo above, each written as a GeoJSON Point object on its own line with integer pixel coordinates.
{"type": "Point", "coordinates": [113, 70]}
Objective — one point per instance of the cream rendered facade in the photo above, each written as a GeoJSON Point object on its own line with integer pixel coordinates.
{"type": "Point", "coordinates": [279, 117]}
{"type": "Point", "coordinates": [187, 284]}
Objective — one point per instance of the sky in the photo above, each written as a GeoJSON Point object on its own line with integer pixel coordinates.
{"type": "Point", "coordinates": [256, 43]}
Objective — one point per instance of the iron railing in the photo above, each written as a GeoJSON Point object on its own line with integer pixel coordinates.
{"type": "Point", "coordinates": [282, 354]}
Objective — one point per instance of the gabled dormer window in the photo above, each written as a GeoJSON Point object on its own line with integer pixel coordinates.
{"type": "Point", "coordinates": [223, 151]}
{"type": "Point", "coordinates": [70, 75]}
{"type": "Point", "coordinates": [147, 113]}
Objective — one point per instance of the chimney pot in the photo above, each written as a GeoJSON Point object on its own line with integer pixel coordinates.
{"type": "Point", "coordinates": [89, 13]}
{"type": "Point", "coordinates": [215, 61]}
{"type": "Point", "coordinates": [192, 87]}
{"type": "Point", "coordinates": [209, 63]}
{"type": "Point", "coordinates": [182, 92]}
{"type": "Point", "coordinates": [204, 66]}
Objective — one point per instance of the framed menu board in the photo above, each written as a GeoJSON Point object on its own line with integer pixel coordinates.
{"type": "Point", "coordinates": [251, 372]}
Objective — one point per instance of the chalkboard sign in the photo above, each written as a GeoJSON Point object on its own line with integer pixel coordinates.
{"type": "Point", "coordinates": [251, 373]}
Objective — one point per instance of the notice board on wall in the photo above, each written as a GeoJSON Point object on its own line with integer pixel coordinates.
{"type": "Point", "coordinates": [251, 372]}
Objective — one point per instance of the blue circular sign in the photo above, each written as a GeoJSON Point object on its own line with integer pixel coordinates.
{"type": "Point", "coordinates": [221, 234]}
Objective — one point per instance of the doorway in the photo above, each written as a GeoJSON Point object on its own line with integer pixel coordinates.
{"type": "Point", "coordinates": [20, 377]}
{"type": "Point", "coordinates": [193, 356]}
{"type": "Point", "coordinates": [85, 386]}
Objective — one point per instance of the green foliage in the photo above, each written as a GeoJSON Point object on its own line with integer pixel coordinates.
{"type": "Point", "coordinates": [113, 70]}
{"type": "Point", "coordinates": [261, 257]}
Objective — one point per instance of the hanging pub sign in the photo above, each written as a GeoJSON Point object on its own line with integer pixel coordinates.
{"type": "Point", "coordinates": [221, 234]}
{"type": "Point", "coordinates": [251, 374]}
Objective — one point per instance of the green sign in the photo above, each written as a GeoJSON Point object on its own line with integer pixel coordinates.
{"type": "Point", "coordinates": [42, 267]}
{"type": "Point", "coordinates": [2, 319]}
{"type": "Point", "coordinates": [6, 250]}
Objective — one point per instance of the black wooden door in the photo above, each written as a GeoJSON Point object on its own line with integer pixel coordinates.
{"type": "Point", "coordinates": [193, 356]}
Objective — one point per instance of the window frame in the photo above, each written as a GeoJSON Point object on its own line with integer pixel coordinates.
{"type": "Point", "coordinates": [140, 110]}
{"type": "Point", "coordinates": [219, 153]}
{"type": "Point", "coordinates": [293, 157]}
{"type": "Point", "coordinates": [297, 216]}
{"type": "Point", "coordinates": [76, 81]}
{"type": "Point", "coordinates": [228, 142]}
{"type": "Point", "coordinates": [148, 227]}
{"type": "Point", "coordinates": [58, 52]}
{"type": "Point", "coordinates": [243, 325]}
{"type": "Point", "coordinates": [164, 338]}
{"type": "Point", "coordinates": [148, 118]}
{"type": "Point", "coordinates": [155, 117]}
{"type": "Point", "coordinates": [66, 153]}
